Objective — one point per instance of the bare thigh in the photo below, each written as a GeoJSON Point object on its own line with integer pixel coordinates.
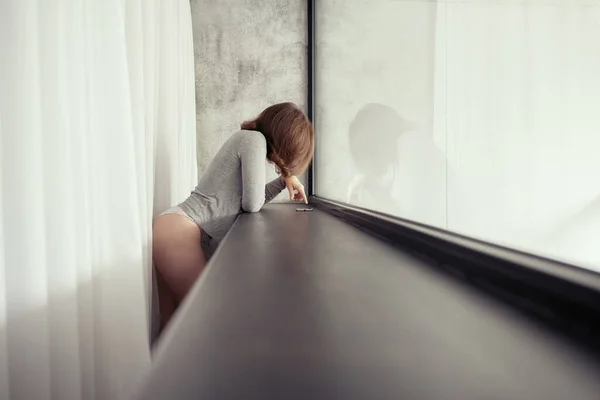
{"type": "Point", "coordinates": [177, 252]}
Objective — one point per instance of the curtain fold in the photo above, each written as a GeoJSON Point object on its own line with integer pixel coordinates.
{"type": "Point", "coordinates": [97, 136]}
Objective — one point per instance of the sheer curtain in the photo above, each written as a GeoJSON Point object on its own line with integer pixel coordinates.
{"type": "Point", "coordinates": [97, 135]}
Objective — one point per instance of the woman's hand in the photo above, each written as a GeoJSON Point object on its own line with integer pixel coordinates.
{"type": "Point", "coordinates": [296, 189]}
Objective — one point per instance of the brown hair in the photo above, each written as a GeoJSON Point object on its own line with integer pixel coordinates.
{"type": "Point", "coordinates": [289, 134]}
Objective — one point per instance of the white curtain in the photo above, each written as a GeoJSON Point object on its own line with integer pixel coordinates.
{"type": "Point", "coordinates": [97, 135]}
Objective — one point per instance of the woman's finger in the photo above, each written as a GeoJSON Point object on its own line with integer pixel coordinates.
{"type": "Point", "coordinates": [290, 188]}
{"type": "Point", "coordinates": [301, 192]}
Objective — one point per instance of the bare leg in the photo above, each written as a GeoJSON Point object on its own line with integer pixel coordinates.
{"type": "Point", "coordinates": [166, 301]}
{"type": "Point", "coordinates": [178, 259]}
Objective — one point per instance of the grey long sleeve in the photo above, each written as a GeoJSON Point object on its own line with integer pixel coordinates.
{"type": "Point", "coordinates": [273, 188]}
{"type": "Point", "coordinates": [235, 181]}
{"type": "Point", "coordinates": [253, 153]}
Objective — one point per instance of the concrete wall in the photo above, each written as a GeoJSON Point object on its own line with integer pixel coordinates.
{"type": "Point", "coordinates": [249, 55]}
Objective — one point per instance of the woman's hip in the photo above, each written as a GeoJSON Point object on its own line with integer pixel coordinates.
{"type": "Point", "coordinates": [175, 228]}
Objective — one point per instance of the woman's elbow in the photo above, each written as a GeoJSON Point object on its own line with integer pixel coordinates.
{"type": "Point", "coordinates": [252, 206]}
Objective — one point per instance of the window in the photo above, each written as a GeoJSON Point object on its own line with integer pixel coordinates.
{"type": "Point", "coordinates": [478, 117]}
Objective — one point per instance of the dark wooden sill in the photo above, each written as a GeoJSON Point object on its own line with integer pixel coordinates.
{"type": "Point", "coordinates": [304, 306]}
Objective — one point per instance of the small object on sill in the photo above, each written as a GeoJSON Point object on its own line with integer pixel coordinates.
{"type": "Point", "coordinates": [304, 209]}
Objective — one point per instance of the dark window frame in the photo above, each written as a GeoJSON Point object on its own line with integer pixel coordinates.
{"type": "Point", "coordinates": [311, 68]}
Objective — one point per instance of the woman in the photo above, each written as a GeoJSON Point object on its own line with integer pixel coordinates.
{"type": "Point", "coordinates": [185, 236]}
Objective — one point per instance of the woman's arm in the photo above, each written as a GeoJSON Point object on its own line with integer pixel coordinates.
{"type": "Point", "coordinates": [294, 186]}
{"type": "Point", "coordinates": [255, 193]}
{"type": "Point", "coordinates": [273, 188]}
{"type": "Point", "coordinates": [253, 155]}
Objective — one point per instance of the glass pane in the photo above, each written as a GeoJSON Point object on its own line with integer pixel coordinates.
{"type": "Point", "coordinates": [479, 117]}
{"type": "Point", "coordinates": [377, 146]}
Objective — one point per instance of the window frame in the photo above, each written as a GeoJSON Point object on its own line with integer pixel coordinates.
{"type": "Point", "coordinates": [310, 74]}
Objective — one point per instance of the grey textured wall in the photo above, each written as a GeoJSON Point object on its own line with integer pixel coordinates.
{"type": "Point", "coordinates": [249, 54]}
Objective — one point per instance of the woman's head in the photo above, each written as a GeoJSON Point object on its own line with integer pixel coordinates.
{"type": "Point", "coordinates": [373, 135]}
{"type": "Point", "coordinates": [289, 134]}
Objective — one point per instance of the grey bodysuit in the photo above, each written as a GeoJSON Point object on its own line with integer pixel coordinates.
{"type": "Point", "coordinates": [234, 182]}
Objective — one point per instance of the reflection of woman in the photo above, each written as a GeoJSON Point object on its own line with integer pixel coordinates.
{"type": "Point", "coordinates": [402, 171]}
{"type": "Point", "coordinates": [186, 236]}
{"type": "Point", "coordinates": [373, 137]}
